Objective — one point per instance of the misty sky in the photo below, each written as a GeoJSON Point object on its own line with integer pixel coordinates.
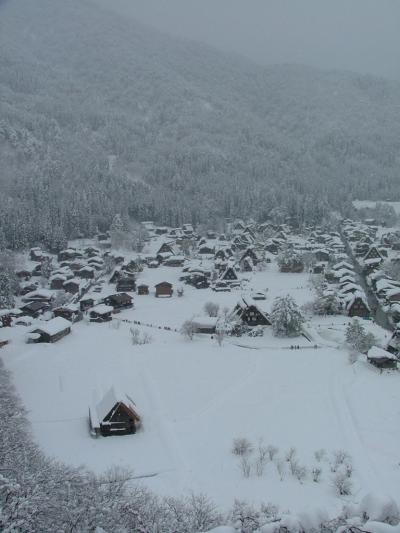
{"type": "Point", "coordinates": [358, 35]}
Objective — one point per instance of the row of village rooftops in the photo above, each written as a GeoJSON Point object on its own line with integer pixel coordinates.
{"type": "Point", "coordinates": [371, 253]}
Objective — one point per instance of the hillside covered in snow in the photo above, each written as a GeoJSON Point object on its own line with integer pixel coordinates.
{"type": "Point", "coordinates": [102, 115]}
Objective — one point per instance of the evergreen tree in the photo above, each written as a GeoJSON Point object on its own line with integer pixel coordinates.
{"type": "Point", "coordinates": [6, 290]}
{"type": "Point", "coordinates": [286, 317]}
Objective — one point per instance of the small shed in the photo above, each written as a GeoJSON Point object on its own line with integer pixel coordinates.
{"type": "Point", "coordinates": [143, 289]}
{"type": "Point", "coordinates": [113, 415]}
{"type": "Point", "coordinates": [382, 359]}
{"type": "Point", "coordinates": [86, 303]}
{"type": "Point", "coordinates": [101, 313]}
{"type": "Point", "coordinates": [52, 330]}
{"type": "Point", "coordinates": [70, 312]}
{"type": "Point", "coordinates": [164, 289]}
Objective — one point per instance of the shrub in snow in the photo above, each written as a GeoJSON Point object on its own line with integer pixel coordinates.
{"type": "Point", "coordinates": [342, 484]}
{"type": "Point", "coordinates": [320, 455]}
{"type": "Point", "coordinates": [316, 474]}
{"type": "Point", "coordinates": [340, 457]}
{"type": "Point", "coordinates": [241, 446]}
{"type": "Point", "coordinates": [188, 329]}
{"type": "Point", "coordinates": [272, 451]}
{"type": "Point", "coordinates": [286, 317]}
{"type": "Point", "coordinates": [245, 466]}
{"type": "Point", "coordinates": [379, 508]}
{"type": "Point", "coordinates": [261, 459]}
{"type": "Point", "coordinates": [211, 308]}
{"type": "Point", "coordinates": [281, 468]}
{"type": "Point", "coordinates": [290, 454]}
{"type": "Point", "coordinates": [257, 331]}
{"type": "Point", "coordinates": [139, 337]}
{"type": "Point", "coordinates": [245, 518]}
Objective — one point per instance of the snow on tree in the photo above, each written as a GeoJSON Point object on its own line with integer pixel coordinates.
{"type": "Point", "coordinates": [8, 281]}
{"type": "Point", "coordinates": [188, 329]}
{"type": "Point", "coordinates": [289, 261]}
{"type": "Point", "coordinates": [326, 304]}
{"type": "Point", "coordinates": [211, 309]}
{"type": "Point", "coordinates": [286, 317]}
{"type": "Point", "coordinates": [118, 232]}
{"type": "Point", "coordinates": [357, 338]}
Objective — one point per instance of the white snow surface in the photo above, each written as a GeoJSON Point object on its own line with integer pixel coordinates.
{"type": "Point", "coordinates": [196, 397]}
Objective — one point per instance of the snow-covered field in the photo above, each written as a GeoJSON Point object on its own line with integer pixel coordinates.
{"type": "Point", "coordinates": [359, 204]}
{"type": "Point", "coordinates": [196, 397]}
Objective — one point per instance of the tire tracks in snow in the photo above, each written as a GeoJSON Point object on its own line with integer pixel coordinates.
{"type": "Point", "coordinates": [168, 438]}
{"type": "Point", "coordinates": [365, 470]}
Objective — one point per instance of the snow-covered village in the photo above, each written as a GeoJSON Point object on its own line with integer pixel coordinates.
{"type": "Point", "coordinates": [237, 363]}
{"type": "Point", "coordinates": [199, 266]}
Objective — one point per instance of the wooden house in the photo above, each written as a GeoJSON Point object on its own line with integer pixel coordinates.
{"type": "Point", "coordinates": [393, 346]}
{"type": "Point", "coordinates": [101, 313]}
{"type": "Point", "coordinates": [246, 264]}
{"type": "Point", "coordinates": [72, 286]}
{"type": "Point", "coordinates": [356, 305]}
{"type": "Point", "coordinates": [86, 303]}
{"type": "Point", "coordinates": [57, 282]}
{"type": "Point", "coordinates": [373, 253]}
{"type": "Point", "coordinates": [164, 289]}
{"type": "Point", "coordinates": [39, 295]}
{"type": "Point", "coordinates": [70, 312]}
{"type": "Point", "coordinates": [51, 331]}
{"type": "Point", "coordinates": [126, 284]}
{"type": "Point", "coordinates": [382, 359]}
{"type": "Point", "coordinates": [23, 274]}
{"type": "Point", "coordinates": [35, 254]}
{"type": "Point", "coordinates": [142, 289]}
{"type": "Point", "coordinates": [174, 261]}
{"type": "Point", "coordinates": [113, 416]}
{"type": "Point", "coordinates": [250, 314]}
{"type": "Point", "coordinates": [119, 301]}
{"type": "Point", "coordinates": [322, 255]}
{"type": "Point", "coordinates": [27, 288]}
{"type": "Point", "coordinates": [229, 275]}
{"type": "Point", "coordinates": [35, 309]}
{"type": "Point", "coordinates": [166, 248]}
{"type": "Point", "coordinates": [86, 272]}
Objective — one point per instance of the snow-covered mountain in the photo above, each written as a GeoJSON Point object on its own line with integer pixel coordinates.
{"type": "Point", "coordinates": [193, 134]}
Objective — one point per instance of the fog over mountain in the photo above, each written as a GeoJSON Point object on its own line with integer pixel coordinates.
{"type": "Point", "coordinates": [357, 35]}
{"type": "Point", "coordinates": [100, 114]}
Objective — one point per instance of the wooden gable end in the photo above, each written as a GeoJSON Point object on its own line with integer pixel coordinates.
{"type": "Point", "coordinates": [253, 317]}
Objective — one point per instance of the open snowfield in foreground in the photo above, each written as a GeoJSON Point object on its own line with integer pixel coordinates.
{"type": "Point", "coordinates": [196, 397]}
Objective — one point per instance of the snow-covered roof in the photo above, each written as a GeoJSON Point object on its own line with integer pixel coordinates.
{"type": "Point", "coordinates": [373, 261]}
{"type": "Point", "coordinates": [100, 409]}
{"type": "Point", "coordinates": [39, 294]}
{"type": "Point", "coordinates": [380, 353]}
{"type": "Point", "coordinates": [102, 309]}
{"type": "Point", "coordinates": [53, 326]}
{"type": "Point", "coordinates": [205, 321]}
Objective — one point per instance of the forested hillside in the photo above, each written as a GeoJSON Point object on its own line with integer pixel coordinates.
{"type": "Point", "coordinates": [100, 115]}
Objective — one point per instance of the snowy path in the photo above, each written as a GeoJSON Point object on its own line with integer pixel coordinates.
{"type": "Point", "coordinates": [162, 421]}
{"type": "Point", "coordinates": [346, 421]}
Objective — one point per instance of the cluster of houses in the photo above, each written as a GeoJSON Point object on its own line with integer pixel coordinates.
{"type": "Point", "coordinates": [371, 252]}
